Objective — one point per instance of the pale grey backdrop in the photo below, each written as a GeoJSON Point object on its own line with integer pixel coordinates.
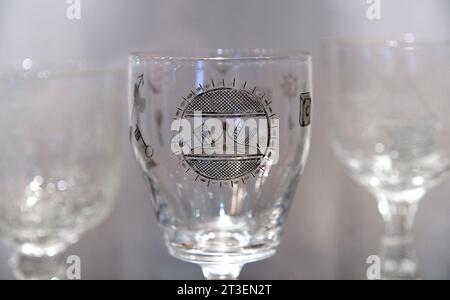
{"type": "Point", "coordinates": [333, 225]}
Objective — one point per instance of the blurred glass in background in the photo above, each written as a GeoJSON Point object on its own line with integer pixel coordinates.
{"type": "Point", "coordinates": [388, 106]}
{"type": "Point", "coordinates": [60, 161]}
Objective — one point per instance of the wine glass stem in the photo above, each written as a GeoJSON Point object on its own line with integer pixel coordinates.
{"type": "Point", "coordinates": [27, 267]}
{"type": "Point", "coordinates": [213, 271]}
{"type": "Point", "coordinates": [398, 216]}
{"type": "Point", "coordinates": [397, 251]}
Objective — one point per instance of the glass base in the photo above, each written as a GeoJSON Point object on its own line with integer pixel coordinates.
{"type": "Point", "coordinates": [27, 267]}
{"type": "Point", "coordinates": [405, 269]}
{"type": "Point", "coordinates": [221, 271]}
{"type": "Point", "coordinates": [399, 261]}
{"type": "Point", "coordinates": [222, 247]}
{"type": "Point", "coordinates": [200, 257]}
{"type": "Point", "coordinates": [223, 265]}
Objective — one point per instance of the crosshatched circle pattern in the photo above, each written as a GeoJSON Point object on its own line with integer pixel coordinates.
{"type": "Point", "coordinates": [227, 102]}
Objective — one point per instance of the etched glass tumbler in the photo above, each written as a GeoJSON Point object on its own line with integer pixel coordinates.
{"type": "Point", "coordinates": [60, 158]}
{"type": "Point", "coordinates": [222, 139]}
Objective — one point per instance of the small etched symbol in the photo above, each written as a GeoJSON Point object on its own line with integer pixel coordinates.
{"type": "Point", "coordinates": [148, 150]}
{"type": "Point", "coordinates": [139, 101]}
{"type": "Point", "coordinates": [289, 86]}
{"type": "Point", "coordinates": [305, 109]}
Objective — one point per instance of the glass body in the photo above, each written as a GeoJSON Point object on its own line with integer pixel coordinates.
{"type": "Point", "coordinates": [60, 161]}
{"type": "Point", "coordinates": [389, 112]}
{"type": "Point", "coordinates": [222, 140]}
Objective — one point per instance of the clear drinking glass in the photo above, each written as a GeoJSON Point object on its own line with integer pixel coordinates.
{"type": "Point", "coordinates": [389, 111]}
{"type": "Point", "coordinates": [222, 139]}
{"type": "Point", "coordinates": [60, 158]}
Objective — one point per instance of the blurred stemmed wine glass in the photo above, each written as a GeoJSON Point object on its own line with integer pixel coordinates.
{"type": "Point", "coordinates": [389, 106]}
{"type": "Point", "coordinates": [60, 158]}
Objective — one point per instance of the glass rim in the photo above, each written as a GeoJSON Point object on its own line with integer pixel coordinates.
{"type": "Point", "coordinates": [225, 55]}
{"type": "Point", "coordinates": [387, 43]}
{"type": "Point", "coordinates": [42, 69]}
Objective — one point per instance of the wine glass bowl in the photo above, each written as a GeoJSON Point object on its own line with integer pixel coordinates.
{"type": "Point", "coordinates": [221, 145]}
{"type": "Point", "coordinates": [388, 110]}
{"type": "Point", "coordinates": [60, 161]}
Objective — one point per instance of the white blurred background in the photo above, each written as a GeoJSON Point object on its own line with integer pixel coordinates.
{"type": "Point", "coordinates": [334, 224]}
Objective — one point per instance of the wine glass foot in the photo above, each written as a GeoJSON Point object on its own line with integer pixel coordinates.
{"type": "Point", "coordinates": [27, 267]}
{"type": "Point", "coordinates": [399, 275]}
{"type": "Point", "coordinates": [213, 271]}
{"type": "Point", "coordinates": [400, 269]}
{"type": "Point", "coordinates": [217, 265]}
